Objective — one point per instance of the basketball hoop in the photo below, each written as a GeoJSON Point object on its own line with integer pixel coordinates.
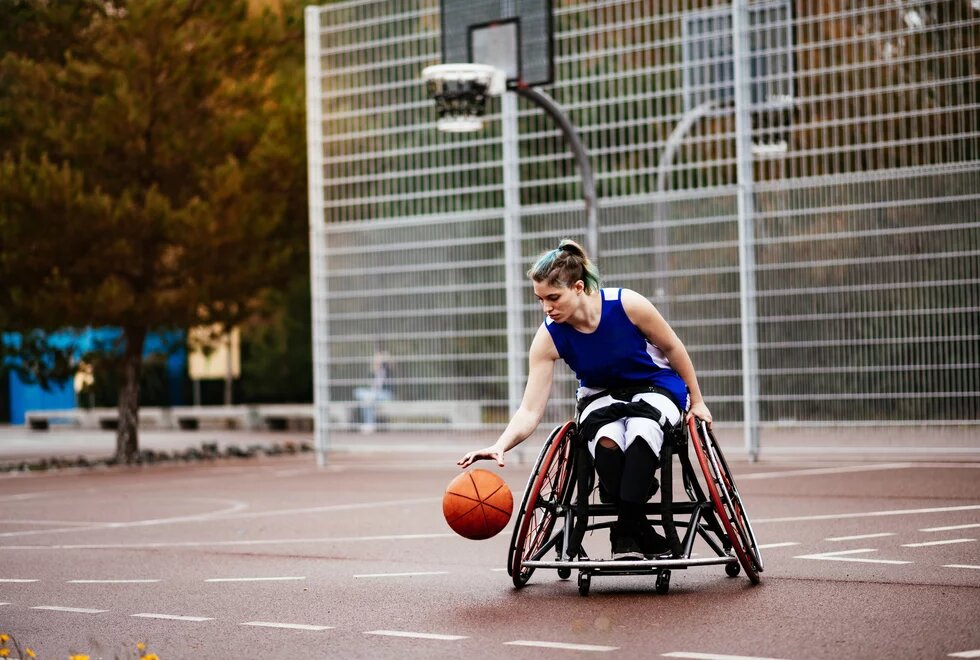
{"type": "Point", "coordinates": [461, 92]}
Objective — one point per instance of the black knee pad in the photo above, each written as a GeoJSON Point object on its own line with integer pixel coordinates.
{"type": "Point", "coordinates": [639, 482]}
{"type": "Point", "coordinates": [609, 466]}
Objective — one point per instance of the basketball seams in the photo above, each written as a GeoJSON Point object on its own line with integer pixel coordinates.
{"type": "Point", "coordinates": [497, 508]}
{"type": "Point", "coordinates": [465, 497]}
{"type": "Point", "coordinates": [464, 514]}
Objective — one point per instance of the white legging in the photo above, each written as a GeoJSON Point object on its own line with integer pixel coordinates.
{"type": "Point", "coordinates": [624, 431]}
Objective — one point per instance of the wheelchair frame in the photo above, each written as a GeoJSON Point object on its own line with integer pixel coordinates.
{"type": "Point", "coordinates": [719, 518]}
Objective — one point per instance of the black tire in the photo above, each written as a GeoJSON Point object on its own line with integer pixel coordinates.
{"type": "Point", "coordinates": [564, 573]}
{"type": "Point", "coordinates": [751, 546]}
{"type": "Point", "coordinates": [733, 569]}
{"type": "Point", "coordinates": [724, 497]}
{"type": "Point", "coordinates": [663, 581]}
{"type": "Point", "coordinates": [549, 486]}
{"type": "Point", "coordinates": [584, 583]}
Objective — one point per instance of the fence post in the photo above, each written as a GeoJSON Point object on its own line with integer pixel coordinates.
{"type": "Point", "coordinates": [513, 276]}
{"type": "Point", "coordinates": [318, 257]}
{"type": "Point", "coordinates": [746, 231]}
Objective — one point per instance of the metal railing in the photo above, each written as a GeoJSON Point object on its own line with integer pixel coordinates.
{"type": "Point", "coordinates": [840, 224]}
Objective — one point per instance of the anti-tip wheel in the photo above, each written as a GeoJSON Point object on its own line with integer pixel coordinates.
{"type": "Point", "coordinates": [584, 582]}
{"type": "Point", "coordinates": [663, 581]}
{"type": "Point", "coordinates": [733, 569]}
{"type": "Point", "coordinates": [564, 573]}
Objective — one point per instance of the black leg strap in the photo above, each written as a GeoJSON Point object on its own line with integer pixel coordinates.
{"type": "Point", "coordinates": [667, 482]}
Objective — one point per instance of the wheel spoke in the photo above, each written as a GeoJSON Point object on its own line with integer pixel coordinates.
{"type": "Point", "coordinates": [547, 489]}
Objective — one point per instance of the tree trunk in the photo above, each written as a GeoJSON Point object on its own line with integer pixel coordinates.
{"type": "Point", "coordinates": [127, 438]}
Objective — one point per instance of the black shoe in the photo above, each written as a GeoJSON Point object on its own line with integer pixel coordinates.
{"type": "Point", "coordinates": [651, 543]}
{"type": "Point", "coordinates": [624, 544]}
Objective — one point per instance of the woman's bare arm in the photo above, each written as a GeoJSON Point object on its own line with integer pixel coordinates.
{"type": "Point", "coordinates": [541, 368]}
{"type": "Point", "coordinates": [648, 319]}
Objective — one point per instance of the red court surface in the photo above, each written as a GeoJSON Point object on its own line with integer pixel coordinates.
{"type": "Point", "coordinates": [866, 557]}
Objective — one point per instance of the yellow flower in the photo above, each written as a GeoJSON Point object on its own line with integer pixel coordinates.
{"type": "Point", "coordinates": [78, 656]}
{"type": "Point", "coordinates": [149, 656]}
{"type": "Point", "coordinates": [140, 646]}
{"type": "Point", "coordinates": [4, 653]}
{"type": "Point", "coordinates": [4, 637]}
{"type": "Point", "coordinates": [30, 653]}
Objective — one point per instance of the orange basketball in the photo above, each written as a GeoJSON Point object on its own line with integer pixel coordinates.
{"type": "Point", "coordinates": [477, 504]}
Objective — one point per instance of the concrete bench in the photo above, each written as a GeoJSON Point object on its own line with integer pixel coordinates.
{"type": "Point", "coordinates": [92, 418]}
{"type": "Point", "coordinates": [455, 413]}
{"type": "Point", "coordinates": [390, 414]}
{"type": "Point", "coordinates": [191, 417]}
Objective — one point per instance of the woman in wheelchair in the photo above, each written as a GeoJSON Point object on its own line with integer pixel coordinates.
{"type": "Point", "coordinates": [635, 379]}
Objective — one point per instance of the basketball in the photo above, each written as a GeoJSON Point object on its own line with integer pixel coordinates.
{"type": "Point", "coordinates": [477, 504]}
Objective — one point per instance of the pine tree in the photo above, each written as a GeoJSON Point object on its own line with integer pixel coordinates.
{"type": "Point", "coordinates": [145, 180]}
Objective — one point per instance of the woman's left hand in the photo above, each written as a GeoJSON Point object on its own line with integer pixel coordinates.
{"type": "Point", "coordinates": [700, 410]}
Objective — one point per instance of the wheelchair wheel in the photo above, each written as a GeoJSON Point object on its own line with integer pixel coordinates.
{"type": "Point", "coordinates": [724, 496]}
{"type": "Point", "coordinates": [548, 488]}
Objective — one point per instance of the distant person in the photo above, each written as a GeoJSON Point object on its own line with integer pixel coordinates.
{"type": "Point", "coordinates": [380, 390]}
{"type": "Point", "coordinates": [632, 370]}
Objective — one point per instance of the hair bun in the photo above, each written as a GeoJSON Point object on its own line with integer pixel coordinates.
{"type": "Point", "coordinates": [571, 247]}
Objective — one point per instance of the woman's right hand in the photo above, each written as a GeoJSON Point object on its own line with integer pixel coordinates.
{"type": "Point", "coordinates": [493, 453]}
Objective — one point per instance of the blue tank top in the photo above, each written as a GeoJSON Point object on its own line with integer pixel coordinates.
{"type": "Point", "coordinates": [617, 354]}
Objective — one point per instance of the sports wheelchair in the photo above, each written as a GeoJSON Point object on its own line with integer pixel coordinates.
{"type": "Point", "coordinates": [558, 495]}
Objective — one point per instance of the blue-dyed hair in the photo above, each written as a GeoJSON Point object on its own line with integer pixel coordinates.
{"type": "Point", "coordinates": [564, 266]}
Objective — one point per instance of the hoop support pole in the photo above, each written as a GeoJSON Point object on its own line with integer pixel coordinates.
{"type": "Point", "coordinates": [548, 104]}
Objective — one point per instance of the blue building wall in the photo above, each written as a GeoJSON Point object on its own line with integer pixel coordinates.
{"type": "Point", "coordinates": [27, 396]}
{"type": "Point", "coordinates": [61, 396]}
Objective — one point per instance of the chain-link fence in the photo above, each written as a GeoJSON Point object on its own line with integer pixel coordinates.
{"type": "Point", "coordinates": [858, 170]}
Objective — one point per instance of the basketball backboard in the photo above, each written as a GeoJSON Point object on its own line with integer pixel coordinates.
{"type": "Point", "coordinates": [514, 36]}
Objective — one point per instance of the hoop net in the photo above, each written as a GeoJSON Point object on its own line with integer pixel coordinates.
{"type": "Point", "coordinates": [461, 92]}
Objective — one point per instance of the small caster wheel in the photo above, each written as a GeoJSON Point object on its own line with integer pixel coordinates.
{"type": "Point", "coordinates": [584, 582]}
{"type": "Point", "coordinates": [663, 582]}
{"type": "Point", "coordinates": [733, 569]}
{"type": "Point", "coordinates": [564, 573]}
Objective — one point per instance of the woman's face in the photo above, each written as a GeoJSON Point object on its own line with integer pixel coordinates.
{"type": "Point", "coordinates": [559, 302]}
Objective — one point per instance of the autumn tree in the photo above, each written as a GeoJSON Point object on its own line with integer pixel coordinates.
{"type": "Point", "coordinates": [147, 180]}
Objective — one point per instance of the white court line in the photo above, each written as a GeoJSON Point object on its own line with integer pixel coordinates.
{"type": "Point", "coordinates": [859, 536]}
{"type": "Point", "coordinates": [331, 507]}
{"type": "Point", "coordinates": [828, 470]}
{"type": "Point", "coordinates": [945, 542]}
{"type": "Point", "coordinates": [966, 654]}
{"type": "Point", "coordinates": [563, 646]}
{"type": "Point", "coordinates": [711, 656]}
{"type": "Point", "coordinates": [233, 507]}
{"type": "Point", "coordinates": [950, 528]}
{"type": "Point", "coordinates": [17, 580]}
{"type": "Point", "coordinates": [206, 544]}
{"type": "Point", "coordinates": [383, 575]}
{"type": "Point", "coordinates": [288, 626]}
{"type": "Point", "coordinates": [416, 635]}
{"type": "Point", "coordinates": [498, 569]}
{"type": "Point", "coordinates": [960, 566]}
{"type": "Point", "coordinates": [171, 617]}
{"type": "Point", "coordinates": [77, 610]}
{"type": "Point", "coordinates": [838, 556]}
{"type": "Point", "coordinates": [76, 523]}
{"type": "Point", "coordinates": [778, 545]}
{"type": "Point", "coordinates": [112, 581]}
{"type": "Point", "coordinates": [255, 579]}
{"type": "Point", "coordinates": [868, 514]}
{"type": "Point", "coordinates": [22, 496]}
{"type": "Point", "coordinates": [4, 603]}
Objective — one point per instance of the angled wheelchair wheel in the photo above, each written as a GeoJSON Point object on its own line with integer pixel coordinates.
{"type": "Point", "coordinates": [725, 498]}
{"type": "Point", "coordinates": [549, 488]}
